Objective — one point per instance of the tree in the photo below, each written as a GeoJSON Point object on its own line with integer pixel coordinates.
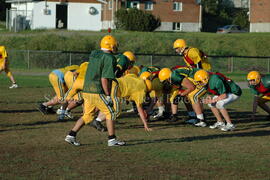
{"type": "Point", "coordinates": [136, 20]}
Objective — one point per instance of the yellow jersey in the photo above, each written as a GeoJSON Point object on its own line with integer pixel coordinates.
{"type": "Point", "coordinates": [3, 54]}
{"type": "Point", "coordinates": [194, 56]}
{"type": "Point", "coordinates": [132, 88]}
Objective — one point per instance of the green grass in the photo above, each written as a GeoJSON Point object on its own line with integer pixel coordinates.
{"type": "Point", "coordinates": [245, 44]}
{"type": "Point", "coordinates": [32, 145]}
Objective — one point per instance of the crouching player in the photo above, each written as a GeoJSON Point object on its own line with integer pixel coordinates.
{"type": "Point", "coordinates": [259, 85]}
{"type": "Point", "coordinates": [58, 83]}
{"type": "Point", "coordinates": [225, 91]}
{"type": "Point", "coordinates": [134, 89]}
{"type": "Point", "coordinates": [182, 78]}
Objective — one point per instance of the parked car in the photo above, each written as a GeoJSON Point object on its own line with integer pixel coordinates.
{"type": "Point", "coordinates": [231, 29]}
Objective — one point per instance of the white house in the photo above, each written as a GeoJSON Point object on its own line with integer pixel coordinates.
{"type": "Point", "coordinates": [70, 15]}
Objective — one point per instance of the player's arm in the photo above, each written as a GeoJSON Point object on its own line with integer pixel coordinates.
{"type": "Point", "coordinates": [106, 85]}
{"type": "Point", "coordinates": [143, 117]}
{"type": "Point", "coordinates": [220, 97]}
{"type": "Point", "coordinates": [188, 85]}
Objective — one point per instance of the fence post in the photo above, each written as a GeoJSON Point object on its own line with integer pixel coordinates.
{"type": "Point", "coordinates": [231, 64]}
{"type": "Point", "coordinates": [268, 65]}
{"type": "Point", "coordinates": [151, 60]}
{"type": "Point", "coordinates": [70, 59]}
{"type": "Point", "coordinates": [28, 59]}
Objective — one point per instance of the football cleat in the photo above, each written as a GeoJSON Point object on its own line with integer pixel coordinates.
{"type": "Point", "coordinates": [42, 108]}
{"type": "Point", "coordinates": [115, 142]}
{"type": "Point", "coordinates": [201, 124]}
{"type": "Point", "coordinates": [228, 127]}
{"type": "Point", "coordinates": [218, 124]}
{"type": "Point", "coordinates": [13, 86]}
{"type": "Point", "coordinates": [72, 140]}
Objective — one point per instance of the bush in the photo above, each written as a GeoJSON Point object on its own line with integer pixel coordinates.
{"type": "Point", "coordinates": [136, 20]}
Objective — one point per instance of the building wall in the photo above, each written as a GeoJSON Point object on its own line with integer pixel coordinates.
{"type": "Point", "coordinates": [164, 10]}
{"type": "Point", "coordinates": [259, 15]}
{"type": "Point", "coordinates": [40, 20]}
{"type": "Point", "coordinates": [185, 27]}
{"type": "Point", "coordinates": [79, 17]}
{"type": "Point", "coordinates": [189, 16]}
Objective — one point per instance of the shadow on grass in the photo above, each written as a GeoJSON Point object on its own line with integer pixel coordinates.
{"type": "Point", "coordinates": [21, 129]}
{"type": "Point", "coordinates": [19, 111]}
{"type": "Point", "coordinates": [257, 133]}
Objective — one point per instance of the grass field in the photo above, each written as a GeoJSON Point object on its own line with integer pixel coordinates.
{"type": "Point", "coordinates": [32, 145]}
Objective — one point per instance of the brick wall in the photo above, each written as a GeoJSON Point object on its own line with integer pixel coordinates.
{"type": "Point", "coordinates": [259, 11]}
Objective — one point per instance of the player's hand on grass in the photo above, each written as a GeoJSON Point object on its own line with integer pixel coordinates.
{"type": "Point", "coordinates": [148, 129]}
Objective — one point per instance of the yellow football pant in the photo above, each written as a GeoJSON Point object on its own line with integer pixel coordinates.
{"type": "Point", "coordinates": [59, 88]}
{"type": "Point", "coordinates": [70, 82]}
{"type": "Point", "coordinates": [116, 94]}
{"type": "Point", "coordinates": [92, 101]}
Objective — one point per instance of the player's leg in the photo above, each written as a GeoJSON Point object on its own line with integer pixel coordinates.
{"type": "Point", "coordinates": [194, 98]}
{"type": "Point", "coordinates": [262, 103]}
{"type": "Point", "coordinates": [11, 77]}
{"type": "Point", "coordinates": [221, 107]}
{"type": "Point", "coordinates": [88, 116]}
{"type": "Point", "coordinates": [103, 106]}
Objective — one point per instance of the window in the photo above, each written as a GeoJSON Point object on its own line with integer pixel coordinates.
{"type": "Point", "coordinates": [177, 26]}
{"type": "Point", "coordinates": [135, 4]}
{"type": "Point", "coordinates": [148, 5]}
{"type": "Point", "coordinates": [177, 6]}
{"type": "Point", "coordinates": [110, 4]}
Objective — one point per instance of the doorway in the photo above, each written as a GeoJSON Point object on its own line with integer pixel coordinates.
{"type": "Point", "coordinates": [61, 16]}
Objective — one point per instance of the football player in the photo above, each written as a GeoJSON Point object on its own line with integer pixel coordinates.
{"type": "Point", "coordinates": [225, 91]}
{"type": "Point", "coordinates": [260, 86]}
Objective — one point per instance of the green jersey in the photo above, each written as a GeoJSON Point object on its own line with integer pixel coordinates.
{"type": "Point", "coordinates": [150, 69]}
{"type": "Point", "coordinates": [263, 87]}
{"type": "Point", "coordinates": [219, 85]}
{"type": "Point", "coordinates": [122, 62]}
{"type": "Point", "coordinates": [179, 74]}
{"type": "Point", "coordinates": [101, 65]}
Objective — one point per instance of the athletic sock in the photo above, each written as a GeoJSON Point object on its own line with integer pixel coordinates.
{"type": "Point", "coordinates": [72, 133]}
{"type": "Point", "coordinates": [200, 117]}
{"type": "Point", "coordinates": [111, 137]}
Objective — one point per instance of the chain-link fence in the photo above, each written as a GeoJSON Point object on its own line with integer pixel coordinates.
{"type": "Point", "coordinates": [30, 59]}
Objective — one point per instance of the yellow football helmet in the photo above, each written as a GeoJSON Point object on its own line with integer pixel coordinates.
{"type": "Point", "coordinates": [179, 43]}
{"type": "Point", "coordinates": [148, 85]}
{"type": "Point", "coordinates": [254, 75]}
{"type": "Point", "coordinates": [201, 76]}
{"type": "Point", "coordinates": [108, 42]}
{"type": "Point", "coordinates": [145, 75]}
{"type": "Point", "coordinates": [130, 55]}
{"type": "Point", "coordinates": [164, 74]}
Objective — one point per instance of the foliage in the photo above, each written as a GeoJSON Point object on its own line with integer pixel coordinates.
{"type": "Point", "coordinates": [218, 13]}
{"type": "Point", "coordinates": [133, 19]}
